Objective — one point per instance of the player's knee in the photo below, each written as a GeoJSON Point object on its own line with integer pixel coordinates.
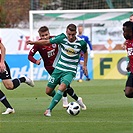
{"type": "Point", "coordinates": [129, 94]}
{"type": "Point", "coordinates": [48, 91]}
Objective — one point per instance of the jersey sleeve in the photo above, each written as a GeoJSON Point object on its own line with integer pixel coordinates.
{"type": "Point", "coordinates": [84, 46]}
{"type": "Point", "coordinates": [57, 39]}
{"type": "Point", "coordinates": [32, 53]}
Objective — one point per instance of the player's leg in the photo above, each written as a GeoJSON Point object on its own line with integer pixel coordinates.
{"type": "Point", "coordinates": [56, 78]}
{"type": "Point", "coordinates": [70, 91]}
{"type": "Point", "coordinates": [81, 73]}
{"type": "Point", "coordinates": [27, 80]}
{"type": "Point", "coordinates": [12, 84]}
{"type": "Point", "coordinates": [79, 100]}
{"type": "Point", "coordinates": [81, 69]}
{"type": "Point", "coordinates": [50, 92]}
{"type": "Point", "coordinates": [129, 86]}
{"type": "Point", "coordinates": [56, 98]}
{"type": "Point", "coordinates": [5, 102]}
{"type": "Point", "coordinates": [87, 77]}
{"type": "Point", "coordinates": [65, 99]}
{"type": "Point", "coordinates": [53, 81]}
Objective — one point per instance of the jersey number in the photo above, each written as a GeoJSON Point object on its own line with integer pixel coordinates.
{"type": "Point", "coordinates": [51, 80]}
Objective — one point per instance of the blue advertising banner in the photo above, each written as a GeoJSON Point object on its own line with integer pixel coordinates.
{"type": "Point", "coordinates": [20, 65]}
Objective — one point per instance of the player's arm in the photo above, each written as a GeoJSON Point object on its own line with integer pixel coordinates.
{"type": "Point", "coordinates": [2, 63]}
{"type": "Point", "coordinates": [39, 42]}
{"type": "Point", "coordinates": [31, 55]}
{"type": "Point", "coordinates": [84, 49]}
{"type": "Point", "coordinates": [85, 63]}
{"type": "Point", "coordinates": [57, 39]}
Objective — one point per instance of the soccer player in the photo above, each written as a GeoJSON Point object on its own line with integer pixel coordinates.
{"type": "Point", "coordinates": [6, 80]}
{"type": "Point", "coordinates": [81, 61]}
{"type": "Point", "coordinates": [131, 18]}
{"type": "Point", "coordinates": [124, 44]}
{"type": "Point", "coordinates": [66, 67]}
{"type": "Point", "coordinates": [128, 35]}
{"type": "Point", "coordinates": [48, 54]}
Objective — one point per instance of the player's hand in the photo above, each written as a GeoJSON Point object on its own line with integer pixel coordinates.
{"type": "Point", "coordinates": [85, 70]}
{"type": "Point", "coordinates": [91, 54]}
{"type": "Point", "coordinates": [30, 42]}
{"type": "Point", "coordinates": [2, 67]}
{"type": "Point", "coordinates": [38, 61]}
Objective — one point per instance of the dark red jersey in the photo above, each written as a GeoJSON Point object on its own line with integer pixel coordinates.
{"type": "Point", "coordinates": [48, 54]}
{"type": "Point", "coordinates": [129, 48]}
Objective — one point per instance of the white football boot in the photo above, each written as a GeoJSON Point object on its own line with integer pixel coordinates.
{"type": "Point", "coordinates": [47, 113]}
{"type": "Point", "coordinates": [28, 81]}
{"type": "Point", "coordinates": [8, 111]}
{"type": "Point", "coordinates": [80, 102]}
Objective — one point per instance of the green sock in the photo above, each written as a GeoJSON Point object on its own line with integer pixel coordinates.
{"type": "Point", "coordinates": [52, 93]}
{"type": "Point", "coordinates": [55, 99]}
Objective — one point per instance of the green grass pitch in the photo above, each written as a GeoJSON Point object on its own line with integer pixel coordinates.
{"type": "Point", "coordinates": [108, 110]}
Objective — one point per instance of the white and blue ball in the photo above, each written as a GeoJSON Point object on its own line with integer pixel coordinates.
{"type": "Point", "coordinates": [73, 108]}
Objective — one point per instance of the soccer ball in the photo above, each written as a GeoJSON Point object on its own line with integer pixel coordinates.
{"type": "Point", "coordinates": [73, 108]}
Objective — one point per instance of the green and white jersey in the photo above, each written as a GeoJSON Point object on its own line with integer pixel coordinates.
{"type": "Point", "coordinates": [70, 52]}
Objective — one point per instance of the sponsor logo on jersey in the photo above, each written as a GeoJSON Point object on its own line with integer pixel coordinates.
{"type": "Point", "coordinates": [70, 51]}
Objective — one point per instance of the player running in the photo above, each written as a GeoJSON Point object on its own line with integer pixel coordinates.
{"type": "Point", "coordinates": [66, 67]}
{"type": "Point", "coordinates": [128, 35]}
{"type": "Point", "coordinates": [9, 84]}
{"type": "Point", "coordinates": [48, 54]}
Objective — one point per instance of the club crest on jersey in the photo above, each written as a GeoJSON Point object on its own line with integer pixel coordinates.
{"type": "Point", "coordinates": [54, 45]}
{"type": "Point", "coordinates": [75, 46]}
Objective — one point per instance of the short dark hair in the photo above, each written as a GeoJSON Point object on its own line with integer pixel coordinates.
{"type": "Point", "coordinates": [43, 29]}
{"type": "Point", "coordinates": [129, 25]}
{"type": "Point", "coordinates": [131, 15]}
{"type": "Point", "coordinates": [72, 27]}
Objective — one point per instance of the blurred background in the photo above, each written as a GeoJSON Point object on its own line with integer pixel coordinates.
{"type": "Point", "coordinates": [15, 13]}
{"type": "Point", "coordinates": [102, 21]}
